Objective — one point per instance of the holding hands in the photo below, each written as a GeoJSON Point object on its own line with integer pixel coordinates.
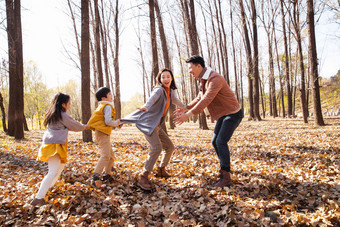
{"type": "Point", "coordinates": [143, 109]}
{"type": "Point", "coordinates": [119, 124]}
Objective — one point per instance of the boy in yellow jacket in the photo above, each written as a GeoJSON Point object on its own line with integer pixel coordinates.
{"type": "Point", "coordinates": [102, 122]}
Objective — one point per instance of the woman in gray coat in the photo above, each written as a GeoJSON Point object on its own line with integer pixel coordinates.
{"type": "Point", "coordinates": [148, 119]}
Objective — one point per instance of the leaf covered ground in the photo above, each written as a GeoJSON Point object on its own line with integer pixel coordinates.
{"type": "Point", "coordinates": [285, 173]}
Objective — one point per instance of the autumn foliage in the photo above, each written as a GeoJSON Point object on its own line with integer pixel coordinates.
{"type": "Point", "coordinates": [285, 173]}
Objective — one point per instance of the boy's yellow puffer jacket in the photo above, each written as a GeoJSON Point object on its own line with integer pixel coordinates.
{"type": "Point", "coordinates": [97, 120]}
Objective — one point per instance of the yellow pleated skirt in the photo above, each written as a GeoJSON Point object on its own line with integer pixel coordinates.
{"type": "Point", "coordinates": [48, 150]}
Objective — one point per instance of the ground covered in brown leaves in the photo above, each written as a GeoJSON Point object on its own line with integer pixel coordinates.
{"type": "Point", "coordinates": [285, 173]}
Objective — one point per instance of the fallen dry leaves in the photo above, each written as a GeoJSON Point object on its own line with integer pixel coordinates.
{"type": "Point", "coordinates": [285, 173]}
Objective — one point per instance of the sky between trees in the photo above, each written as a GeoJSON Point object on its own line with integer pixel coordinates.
{"type": "Point", "coordinates": [47, 32]}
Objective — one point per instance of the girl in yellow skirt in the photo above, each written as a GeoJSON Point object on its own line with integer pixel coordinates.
{"type": "Point", "coordinates": [54, 147]}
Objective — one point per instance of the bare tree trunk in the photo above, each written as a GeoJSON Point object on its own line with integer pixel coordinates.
{"type": "Point", "coordinates": [183, 82]}
{"type": "Point", "coordinates": [318, 119]}
{"type": "Point", "coordinates": [233, 46]}
{"type": "Point", "coordinates": [241, 80]}
{"type": "Point", "coordinates": [223, 41]}
{"type": "Point", "coordinates": [4, 126]}
{"type": "Point", "coordinates": [85, 69]}
{"type": "Point", "coordinates": [209, 60]}
{"type": "Point", "coordinates": [94, 67]}
{"type": "Point", "coordinates": [116, 65]}
{"type": "Point", "coordinates": [256, 63]}
{"type": "Point", "coordinates": [16, 74]}
{"type": "Point", "coordinates": [104, 42]}
{"type": "Point", "coordinates": [287, 68]}
{"type": "Point", "coordinates": [11, 65]}
{"type": "Point", "coordinates": [19, 118]}
{"type": "Point", "coordinates": [164, 43]}
{"type": "Point", "coordinates": [296, 24]}
{"type": "Point", "coordinates": [93, 49]}
{"type": "Point", "coordinates": [195, 50]}
{"type": "Point", "coordinates": [112, 49]}
{"type": "Point", "coordinates": [193, 36]}
{"type": "Point", "coordinates": [294, 79]}
{"type": "Point", "coordinates": [269, 32]}
{"type": "Point", "coordinates": [272, 81]}
{"type": "Point", "coordinates": [167, 62]}
{"type": "Point", "coordinates": [263, 102]}
{"type": "Point", "coordinates": [249, 61]}
{"type": "Point", "coordinates": [279, 69]}
{"type": "Point", "coordinates": [97, 45]}
{"type": "Point", "coordinates": [187, 27]}
{"type": "Point", "coordinates": [217, 51]}
{"type": "Point", "coordinates": [308, 85]}
{"type": "Point", "coordinates": [291, 67]}
{"type": "Point", "coordinates": [155, 67]}
{"type": "Point", "coordinates": [280, 76]}
{"type": "Point", "coordinates": [193, 32]}
{"type": "Point", "coordinates": [20, 121]}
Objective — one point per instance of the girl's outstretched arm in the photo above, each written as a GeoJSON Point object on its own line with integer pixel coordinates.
{"type": "Point", "coordinates": [71, 124]}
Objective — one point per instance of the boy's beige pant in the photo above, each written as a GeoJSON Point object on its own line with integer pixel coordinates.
{"type": "Point", "coordinates": [158, 140]}
{"type": "Point", "coordinates": [106, 159]}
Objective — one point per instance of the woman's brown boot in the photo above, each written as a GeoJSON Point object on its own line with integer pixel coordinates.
{"type": "Point", "coordinates": [144, 182]}
{"type": "Point", "coordinates": [161, 172]}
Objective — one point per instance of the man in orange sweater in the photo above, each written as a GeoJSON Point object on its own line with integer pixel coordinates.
{"type": "Point", "coordinates": [216, 95]}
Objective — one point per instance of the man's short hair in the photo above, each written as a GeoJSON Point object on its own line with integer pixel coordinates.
{"type": "Point", "coordinates": [196, 60]}
{"type": "Point", "coordinates": [102, 92]}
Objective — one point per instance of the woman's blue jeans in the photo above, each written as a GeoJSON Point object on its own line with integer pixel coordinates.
{"type": "Point", "coordinates": [224, 129]}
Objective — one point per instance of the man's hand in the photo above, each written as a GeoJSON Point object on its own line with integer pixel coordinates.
{"type": "Point", "coordinates": [181, 118]}
{"type": "Point", "coordinates": [179, 111]}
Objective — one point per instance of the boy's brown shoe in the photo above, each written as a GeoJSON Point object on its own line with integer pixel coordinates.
{"type": "Point", "coordinates": [161, 172]}
{"type": "Point", "coordinates": [144, 182]}
{"type": "Point", "coordinates": [96, 182]}
{"type": "Point", "coordinates": [38, 202]}
{"type": "Point", "coordinates": [107, 178]}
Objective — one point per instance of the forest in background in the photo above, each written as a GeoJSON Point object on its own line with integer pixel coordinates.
{"type": "Point", "coordinates": [266, 51]}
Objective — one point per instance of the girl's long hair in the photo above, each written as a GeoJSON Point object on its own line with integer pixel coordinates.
{"type": "Point", "coordinates": [56, 107]}
{"type": "Point", "coordinates": [159, 77]}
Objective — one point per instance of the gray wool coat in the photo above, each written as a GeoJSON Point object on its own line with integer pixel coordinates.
{"type": "Point", "coordinates": [146, 122]}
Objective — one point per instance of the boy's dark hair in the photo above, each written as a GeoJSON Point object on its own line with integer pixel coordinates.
{"type": "Point", "coordinates": [196, 60]}
{"type": "Point", "coordinates": [56, 107]}
{"type": "Point", "coordinates": [102, 92]}
{"type": "Point", "coordinates": [159, 77]}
